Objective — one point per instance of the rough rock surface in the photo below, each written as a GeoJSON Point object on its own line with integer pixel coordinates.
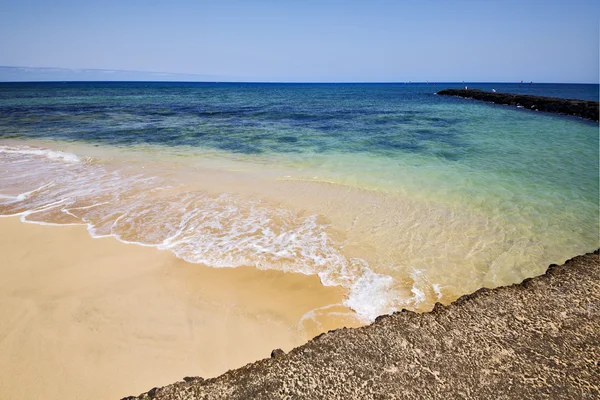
{"type": "Point", "coordinates": [536, 339]}
{"type": "Point", "coordinates": [579, 108]}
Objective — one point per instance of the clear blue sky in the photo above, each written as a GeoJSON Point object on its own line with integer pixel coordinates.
{"type": "Point", "coordinates": [311, 40]}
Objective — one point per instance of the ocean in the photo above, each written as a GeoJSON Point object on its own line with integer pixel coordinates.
{"type": "Point", "coordinates": [401, 197]}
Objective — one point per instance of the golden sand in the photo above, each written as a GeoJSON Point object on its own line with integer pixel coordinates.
{"type": "Point", "coordinates": [85, 318]}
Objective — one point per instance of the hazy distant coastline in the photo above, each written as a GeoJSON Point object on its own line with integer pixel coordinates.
{"type": "Point", "coordinates": [52, 74]}
{"type": "Point", "coordinates": [57, 74]}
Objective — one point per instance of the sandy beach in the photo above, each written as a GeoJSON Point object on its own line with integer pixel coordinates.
{"type": "Point", "coordinates": [86, 318]}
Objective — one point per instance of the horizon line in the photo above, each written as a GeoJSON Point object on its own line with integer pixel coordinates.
{"type": "Point", "coordinates": [209, 78]}
{"type": "Point", "coordinates": [299, 82]}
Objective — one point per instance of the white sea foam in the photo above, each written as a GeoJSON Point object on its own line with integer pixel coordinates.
{"type": "Point", "coordinates": [312, 316]}
{"type": "Point", "coordinates": [421, 286]}
{"type": "Point", "coordinates": [438, 290]}
{"type": "Point", "coordinates": [50, 154]}
{"type": "Point", "coordinates": [219, 231]}
{"type": "Point", "coordinates": [25, 195]}
{"type": "Point", "coordinates": [372, 295]}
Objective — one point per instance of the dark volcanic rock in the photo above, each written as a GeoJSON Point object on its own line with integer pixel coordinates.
{"type": "Point", "coordinates": [277, 353]}
{"type": "Point", "coordinates": [192, 378]}
{"type": "Point", "coordinates": [537, 339]}
{"type": "Point", "coordinates": [579, 108]}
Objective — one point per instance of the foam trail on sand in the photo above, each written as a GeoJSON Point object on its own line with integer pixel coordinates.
{"type": "Point", "coordinates": [223, 230]}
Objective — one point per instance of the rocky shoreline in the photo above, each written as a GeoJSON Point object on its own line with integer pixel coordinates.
{"type": "Point", "coordinates": [578, 108]}
{"type": "Point", "coordinates": [536, 339]}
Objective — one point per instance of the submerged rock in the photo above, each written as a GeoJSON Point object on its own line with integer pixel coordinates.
{"type": "Point", "coordinates": [536, 339]}
{"type": "Point", "coordinates": [580, 108]}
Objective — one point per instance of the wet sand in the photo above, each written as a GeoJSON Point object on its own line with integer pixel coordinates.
{"type": "Point", "coordinates": [539, 339]}
{"type": "Point", "coordinates": [86, 318]}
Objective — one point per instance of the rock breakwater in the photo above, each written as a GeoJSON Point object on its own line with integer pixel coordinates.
{"type": "Point", "coordinates": [578, 108]}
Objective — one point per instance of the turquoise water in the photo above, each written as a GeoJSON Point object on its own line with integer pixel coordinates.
{"type": "Point", "coordinates": [399, 195]}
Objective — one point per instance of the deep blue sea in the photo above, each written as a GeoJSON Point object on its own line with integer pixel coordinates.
{"type": "Point", "coordinates": [400, 196]}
